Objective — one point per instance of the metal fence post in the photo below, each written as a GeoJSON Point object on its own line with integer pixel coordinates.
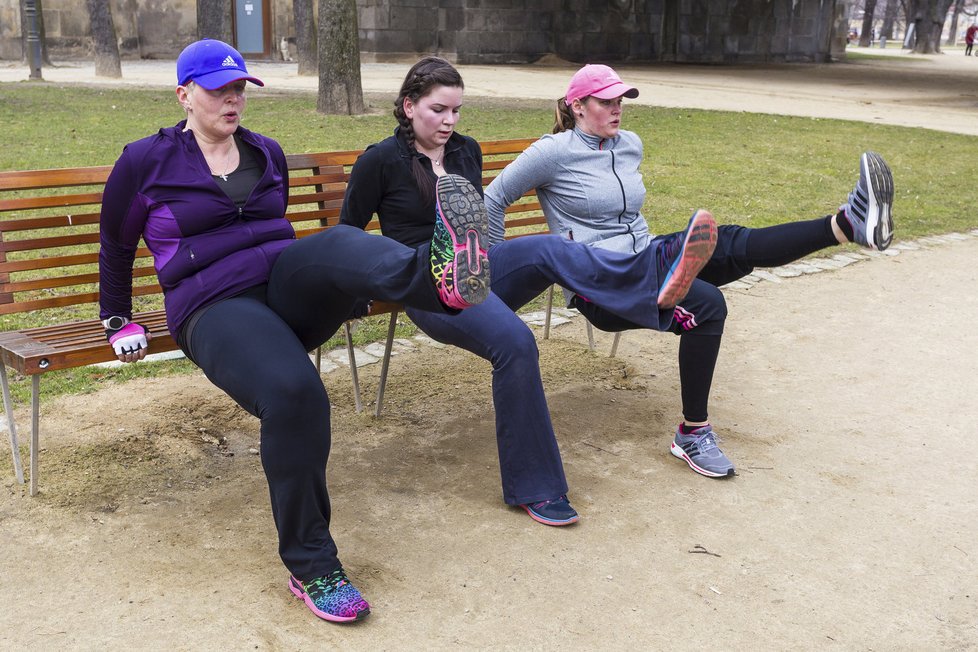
{"type": "Point", "coordinates": [33, 39]}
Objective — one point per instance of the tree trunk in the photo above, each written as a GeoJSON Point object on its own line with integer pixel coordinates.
{"type": "Point", "coordinates": [305, 36]}
{"type": "Point", "coordinates": [340, 90]}
{"type": "Point", "coordinates": [952, 35]}
{"type": "Point", "coordinates": [889, 18]}
{"type": "Point", "coordinates": [107, 62]}
{"type": "Point", "coordinates": [866, 35]}
{"type": "Point", "coordinates": [24, 29]}
{"type": "Point", "coordinates": [214, 20]}
{"type": "Point", "coordinates": [929, 22]}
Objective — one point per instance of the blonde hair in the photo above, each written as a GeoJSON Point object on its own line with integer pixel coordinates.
{"type": "Point", "coordinates": [564, 116]}
{"type": "Point", "coordinates": [189, 87]}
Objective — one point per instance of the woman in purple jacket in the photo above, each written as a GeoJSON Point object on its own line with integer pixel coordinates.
{"type": "Point", "coordinates": [246, 301]}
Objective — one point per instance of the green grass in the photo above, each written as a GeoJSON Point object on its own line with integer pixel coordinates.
{"type": "Point", "coordinates": [867, 54]}
{"type": "Point", "coordinates": [749, 169]}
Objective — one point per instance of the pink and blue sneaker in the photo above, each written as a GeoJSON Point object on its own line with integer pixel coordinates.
{"type": "Point", "coordinates": [459, 263]}
{"type": "Point", "coordinates": [331, 597]}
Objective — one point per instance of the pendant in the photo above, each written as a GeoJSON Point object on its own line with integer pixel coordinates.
{"type": "Point", "coordinates": [223, 176]}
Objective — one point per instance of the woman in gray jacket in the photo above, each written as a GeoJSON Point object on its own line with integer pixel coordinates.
{"type": "Point", "coordinates": [587, 178]}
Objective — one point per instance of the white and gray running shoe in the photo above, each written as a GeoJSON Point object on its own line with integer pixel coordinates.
{"type": "Point", "coordinates": [869, 209]}
{"type": "Point", "coordinates": [699, 450]}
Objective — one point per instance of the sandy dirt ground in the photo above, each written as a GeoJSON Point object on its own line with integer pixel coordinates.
{"type": "Point", "coordinates": [845, 397]}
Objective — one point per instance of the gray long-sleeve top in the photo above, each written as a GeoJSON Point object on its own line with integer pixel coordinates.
{"type": "Point", "coordinates": [590, 189]}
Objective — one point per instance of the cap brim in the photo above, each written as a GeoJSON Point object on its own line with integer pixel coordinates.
{"type": "Point", "coordinates": [618, 89]}
{"type": "Point", "coordinates": [215, 80]}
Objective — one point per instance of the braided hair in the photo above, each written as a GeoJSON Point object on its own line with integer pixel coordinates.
{"type": "Point", "coordinates": [421, 78]}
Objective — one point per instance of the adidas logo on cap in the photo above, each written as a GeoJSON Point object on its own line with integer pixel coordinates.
{"type": "Point", "coordinates": [229, 61]}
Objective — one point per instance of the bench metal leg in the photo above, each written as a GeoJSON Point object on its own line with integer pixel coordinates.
{"type": "Point", "coordinates": [319, 359]}
{"type": "Point", "coordinates": [614, 345]}
{"type": "Point", "coordinates": [8, 406]}
{"type": "Point", "coordinates": [587, 324]}
{"type": "Point", "coordinates": [386, 363]}
{"type": "Point", "coordinates": [35, 428]}
{"type": "Point", "coordinates": [353, 366]}
{"type": "Point", "coordinates": [550, 307]}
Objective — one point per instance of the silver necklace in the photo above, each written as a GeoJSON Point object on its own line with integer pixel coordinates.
{"type": "Point", "coordinates": [436, 161]}
{"type": "Point", "coordinates": [227, 161]}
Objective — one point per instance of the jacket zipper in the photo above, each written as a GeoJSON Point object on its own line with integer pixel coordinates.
{"type": "Point", "coordinates": [624, 204]}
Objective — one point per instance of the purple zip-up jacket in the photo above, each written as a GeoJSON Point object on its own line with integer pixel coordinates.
{"type": "Point", "coordinates": [204, 247]}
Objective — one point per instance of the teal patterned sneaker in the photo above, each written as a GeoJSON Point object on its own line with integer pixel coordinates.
{"type": "Point", "coordinates": [459, 263]}
{"type": "Point", "coordinates": [699, 450]}
{"type": "Point", "coordinates": [693, 253]}
{"type": "Point", "coordinates": [870, 203]}
{"type": "Point", "coordinates": [331, 597]}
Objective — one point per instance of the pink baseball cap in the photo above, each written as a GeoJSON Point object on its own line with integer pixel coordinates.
{"type": "Point", "coordinates": [600, 81]}
{"type": "Point", "coordinates": [212, 64]}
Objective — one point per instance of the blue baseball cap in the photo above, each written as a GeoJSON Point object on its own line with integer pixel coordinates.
{"type": "Point", "coordinates": [212, 64]}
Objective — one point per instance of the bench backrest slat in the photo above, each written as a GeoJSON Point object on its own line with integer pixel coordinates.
{"type": "Point", "coordinates": [50, 201]}
{"type": "Point", "coordinates": [52, 222]}
{"type": "Point", "coordinates": [58, 178]}
{"type": "Point", "coordinates": [52, 242]}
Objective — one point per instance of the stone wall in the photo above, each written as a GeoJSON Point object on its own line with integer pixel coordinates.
{"type": "Point", "coordinates": [510, 31]}
{"type": "Point", "coordinates": [753, 31]}
{"type": "Point", "coordinates": [146, 28]}
{"type": "Point", "coordinates": [520, 31]}
{"type": "Point", "coordinates": [490, 31]}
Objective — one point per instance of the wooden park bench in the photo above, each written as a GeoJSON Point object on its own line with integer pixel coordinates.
{"type": "Point", "coordinates": [49, 243]}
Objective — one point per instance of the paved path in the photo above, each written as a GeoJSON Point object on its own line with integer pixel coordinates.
{"type": "Point", "coordinates": [931, 91]}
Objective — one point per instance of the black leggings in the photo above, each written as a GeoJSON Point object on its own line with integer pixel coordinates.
{"type": "Point", "coordinates": [255, 345]}
{"type": "Point", "coordinates": [700, 316]}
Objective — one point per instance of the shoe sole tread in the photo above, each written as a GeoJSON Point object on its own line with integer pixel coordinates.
{"type": "Point", "coordinates": [463, 213]}
{"type": "Point", "coordinates": [880, 180]}
{"type": "Point", "coordinates": [699, 242]}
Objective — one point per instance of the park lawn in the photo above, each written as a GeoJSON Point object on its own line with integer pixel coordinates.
{"type": "Point", "coordinates": [750, 169]}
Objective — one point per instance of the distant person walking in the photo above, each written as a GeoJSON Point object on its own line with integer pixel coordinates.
{"type": "Point", "coordinates": [969, 39]}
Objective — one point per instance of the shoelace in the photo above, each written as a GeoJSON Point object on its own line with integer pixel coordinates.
{"type": "Point", "coordinates": [544, 503]}
{"type": "Point", "coordinates": [707, 441]}
{"type": "Point", "coordinates": [327, 583]}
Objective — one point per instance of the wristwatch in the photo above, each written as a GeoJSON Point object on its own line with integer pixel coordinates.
{"type": "Point", "coordinates": [115, 323]}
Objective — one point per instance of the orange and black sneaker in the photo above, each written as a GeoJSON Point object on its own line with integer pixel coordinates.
{"type": "Point", "coordinates": [692, 252]}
